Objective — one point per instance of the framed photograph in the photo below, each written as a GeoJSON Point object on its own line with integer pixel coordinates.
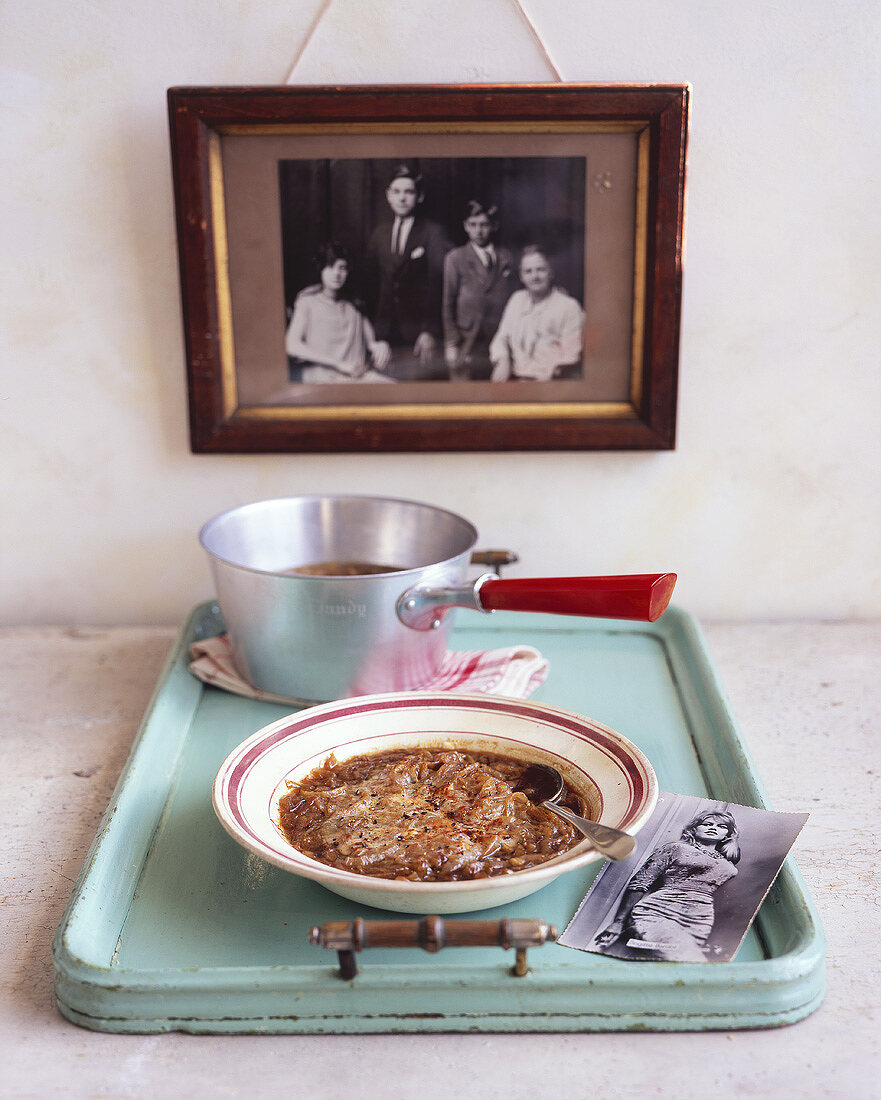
{"type": "Point", "coordinates": [430, 268]}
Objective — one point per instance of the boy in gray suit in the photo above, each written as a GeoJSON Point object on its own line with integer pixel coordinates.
{"type": "Point", "coordinates": [479, 278]}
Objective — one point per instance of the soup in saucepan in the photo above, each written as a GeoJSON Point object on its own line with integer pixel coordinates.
{"type": "Point", "coordinates": [341, 569]}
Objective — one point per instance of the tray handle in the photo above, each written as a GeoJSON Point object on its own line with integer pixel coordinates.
{"type": "Point", "coordinates": [431, 934]}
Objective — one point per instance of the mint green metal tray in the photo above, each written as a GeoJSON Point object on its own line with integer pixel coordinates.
{"type": "Point", "coordinates": [173, 926]}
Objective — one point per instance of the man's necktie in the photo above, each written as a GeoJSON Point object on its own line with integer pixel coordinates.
{"type": "Point", "coordinates": [396, 237]}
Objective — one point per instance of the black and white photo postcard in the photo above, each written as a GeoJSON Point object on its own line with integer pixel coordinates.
{"type": "Point", "coordinates": [692, 887]}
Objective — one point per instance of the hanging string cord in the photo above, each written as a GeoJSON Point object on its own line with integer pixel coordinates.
{"type": "Point", "coordinates": [538, 38]}
{"type": "Point", "coordinates": [322, 11]}
{"type": "Point", "coordinates": [325, 7]}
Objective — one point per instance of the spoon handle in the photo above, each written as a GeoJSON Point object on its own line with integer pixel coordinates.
{"type": "Point", "coordinates": [611, 843]}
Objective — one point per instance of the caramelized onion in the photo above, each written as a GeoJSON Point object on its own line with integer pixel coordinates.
{"type": "Point", "coordinates": [427, 815]}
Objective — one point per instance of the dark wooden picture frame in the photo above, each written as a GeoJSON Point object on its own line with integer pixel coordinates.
{"type": "Point", "coordinates": [237, 259]}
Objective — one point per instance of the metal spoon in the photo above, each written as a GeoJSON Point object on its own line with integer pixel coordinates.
{"type": "Point", "coordinates": [543, 785]}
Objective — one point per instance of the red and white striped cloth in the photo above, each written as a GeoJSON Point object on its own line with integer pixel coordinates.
{"type": "Point", "coordinates": [515, 671]}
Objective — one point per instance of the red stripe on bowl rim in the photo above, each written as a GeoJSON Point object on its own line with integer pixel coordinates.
{"type": "Point", "coordinates": [238, 767]}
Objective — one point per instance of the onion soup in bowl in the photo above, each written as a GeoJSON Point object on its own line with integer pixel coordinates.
{"type": "Point", "coordinates": [408, 801]}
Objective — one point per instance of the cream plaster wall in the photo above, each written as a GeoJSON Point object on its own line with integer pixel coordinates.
{"type": "Point", "coordinates": [769, 507]}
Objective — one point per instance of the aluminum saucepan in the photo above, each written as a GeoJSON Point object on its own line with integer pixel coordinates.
{"type": "Point", "coordinates": [310, 619]}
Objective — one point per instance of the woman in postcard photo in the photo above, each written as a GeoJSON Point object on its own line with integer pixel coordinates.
{"type": "Point", "coordinates": [541, 333]}
{"type": "Point", "coordinates": [667, 910]}
{"type": "Point", "coordinates": [328, 339]}
{"type": "Point", "coordinates": [479, 279]}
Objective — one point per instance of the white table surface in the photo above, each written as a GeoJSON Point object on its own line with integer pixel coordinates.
{"type": "Point", "coordinates": [807, 697]}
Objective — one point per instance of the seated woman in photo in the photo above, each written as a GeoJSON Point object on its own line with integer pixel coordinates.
{"type": "Point", "coordinates": [479, 279]}
{"type": "Point", "coordinates": [329, 339]}
{"type": "Point", "coordinates": [541, 333]}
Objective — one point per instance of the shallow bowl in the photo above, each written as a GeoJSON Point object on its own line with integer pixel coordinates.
{"type": "Point", "coordinates": [612, 775]}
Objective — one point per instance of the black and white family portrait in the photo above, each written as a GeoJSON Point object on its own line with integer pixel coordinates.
{"type": "Point", "coordinates": [465, 269]}
{"type": "Point", "coordinates": [692, 887]}
{"type": "Point", "coordinates": [448, 269]}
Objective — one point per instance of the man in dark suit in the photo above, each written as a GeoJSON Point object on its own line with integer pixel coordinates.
{"type": "Point", "coordinates": [404, 278]}
{"type": "Point", "coordinates": [479, 278]}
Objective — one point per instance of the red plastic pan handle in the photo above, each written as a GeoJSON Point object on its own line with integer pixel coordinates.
{"type": "Point", "coordinates": [640, 596]}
